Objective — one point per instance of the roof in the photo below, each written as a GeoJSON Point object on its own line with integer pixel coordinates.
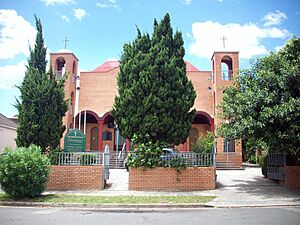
{"type": "Point", "coordinates": [4, 121]}
{"type": "Point", "coordinates": [190, 67]}
{"type": "Point", "coordinates": [107, 66]}
{"type": "Point", "coordinates": [110, 65]}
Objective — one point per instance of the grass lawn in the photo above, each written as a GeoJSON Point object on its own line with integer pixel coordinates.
{"type": "Point", "coordinates": [68, 198]}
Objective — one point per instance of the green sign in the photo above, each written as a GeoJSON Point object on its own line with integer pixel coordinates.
{"type": "Point", "coordinates": [74, 141]}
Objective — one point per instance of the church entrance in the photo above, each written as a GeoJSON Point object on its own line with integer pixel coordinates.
{"type": "Point", "coordinates": [94, 138]}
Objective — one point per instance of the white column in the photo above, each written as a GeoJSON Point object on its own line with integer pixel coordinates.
{"type": "Point", "coordinates": [84, 128]}
{"type": "Point", "coordinates": [79, 121]}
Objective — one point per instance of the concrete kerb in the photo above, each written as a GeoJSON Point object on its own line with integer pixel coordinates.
{"type": "Point", "coordinates": [133, 207]}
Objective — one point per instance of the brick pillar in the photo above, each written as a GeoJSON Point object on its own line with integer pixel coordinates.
{"type": "Point", "coordinates": [100, 130]}
{"type": "Point", "coordinates": [127, 145]}
{"type": "Point", "coordinates": [212, 126]}
{"type": "Point", "coordinates": [184, 146]}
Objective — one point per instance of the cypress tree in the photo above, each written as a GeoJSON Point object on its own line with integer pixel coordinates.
{"type": "Point", "coordinates": [155, 96]}
{"type": "Point", "coordinates": [38, 54]}
{"type": "Point", "coordinates": [41, 105]}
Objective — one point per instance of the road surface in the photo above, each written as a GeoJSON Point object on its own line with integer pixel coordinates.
{"type": "Point", "coordinates": [207, 216]}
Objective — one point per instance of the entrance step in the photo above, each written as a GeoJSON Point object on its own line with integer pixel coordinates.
{"type": "Point", "coordinates": [228, 166]}
{"type": "Point", "coordinates": [114, 163]}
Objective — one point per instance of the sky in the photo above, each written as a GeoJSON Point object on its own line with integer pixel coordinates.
{"type": "Point", "coordinates": [98, 29]}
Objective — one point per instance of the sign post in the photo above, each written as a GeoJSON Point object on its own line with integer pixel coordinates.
{"type": "Point", "coordinates": [74, 141]}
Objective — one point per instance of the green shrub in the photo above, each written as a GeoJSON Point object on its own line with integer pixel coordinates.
{"type": "Point", "coordinates": [204, 143]}
{"type": "Point", "coordinates": [176, 162]}
{"type": "Point", "coordinates": [263, 162]}
{"type": "Point", "coordinates": [145, 155]}
{"type": "Point", "coordinates": [88, 159]}
{"type": "Point", "coordinates": [23, 172]}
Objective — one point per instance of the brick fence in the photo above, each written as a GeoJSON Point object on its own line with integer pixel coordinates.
{"type": "Point", "coordinates": [168, 179]}
{"type": "Point", "coordinates": [292, 176]}
{"type": "Point", "coordinates": [71, 177]}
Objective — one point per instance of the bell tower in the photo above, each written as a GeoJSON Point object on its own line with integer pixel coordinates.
{"type": "Point", "coordinates": [225, 67]}
{"type": "Point", "coordinates": [65, 63]}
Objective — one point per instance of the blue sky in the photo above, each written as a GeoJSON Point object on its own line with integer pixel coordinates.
{"type": "Point", "coordinates": [97, 30]}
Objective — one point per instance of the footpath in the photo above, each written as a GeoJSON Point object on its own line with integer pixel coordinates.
{"type": "Point", "coordinates": [235, 188]}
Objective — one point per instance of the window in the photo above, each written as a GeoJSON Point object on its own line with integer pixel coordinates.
{"type": "Point", "coordinates": [226, 64]}
{"type": "Point", "coordinates": [107, 136]}
{"type": "Point", "coordinates": [229, 145]}
{"type": "Point", "coordinates": [60, 67]}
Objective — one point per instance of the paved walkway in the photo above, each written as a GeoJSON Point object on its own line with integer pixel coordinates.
{"type": "Point", "coordinates": [235, 188]}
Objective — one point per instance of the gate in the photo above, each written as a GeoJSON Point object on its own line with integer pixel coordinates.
{"type": "Point", "coordinates": [106, 159]}
{"type": "Point", "coordinates": [276, 165]}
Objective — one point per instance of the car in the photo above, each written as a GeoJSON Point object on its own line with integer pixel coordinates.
{"type": "Point", "coordinates": [167, 153]}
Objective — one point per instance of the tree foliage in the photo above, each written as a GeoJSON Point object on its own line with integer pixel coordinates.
{"type": "Point", "coordinates": [38, 54]}
{"type": "Point", "coordinates": [204, 144]}
{"type": "Point", "coordinates": [264, 104]}
{"type": "Point", "coordinates": [155, 96]}
{"type": "Point", "coordinates": [41, 105]}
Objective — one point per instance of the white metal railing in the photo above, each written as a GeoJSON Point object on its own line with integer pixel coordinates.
{"type": "Point", "coordinates": [226, 74]}
{"type": "Point", "coordinates": [76, 158]}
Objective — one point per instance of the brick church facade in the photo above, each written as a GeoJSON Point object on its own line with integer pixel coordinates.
{"type": "Point", "coordinates": [91, 97]}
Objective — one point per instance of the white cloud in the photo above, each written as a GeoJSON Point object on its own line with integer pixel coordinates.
{"type": "Point", "coordinates": [15, 33]}
{"type": "Point", "coordinates": [274, 18]}
{"type": "Point", "coordinates": [220, 0]}
{"type": "Point", "coordinates": [65, 18]}
{"type": "Point", "coordinates": [243, 38]}
{"type": "Point", "coordinates": [11, 75]}
{"type": "Point", "coordinates": [59, 2]}
{"type": "Point", "coordinates": [102, 5]}
{"type": "Point", "coordinates": [79, 13]}
{"type": "Point", "coordinates": [278, 48]}
{"type": "Point", "coordinates": [109, 4]}
{"type": "Point", "coordinates": [187, 2]}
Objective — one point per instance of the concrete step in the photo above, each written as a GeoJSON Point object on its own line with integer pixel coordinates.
{"type": "Point", "coordinates": [228, 166]}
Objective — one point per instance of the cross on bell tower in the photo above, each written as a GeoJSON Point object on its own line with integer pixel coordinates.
{"type": "Point", "coordinates": [223, 39]}
{"type": "Point", "coordinates": [66, 41]}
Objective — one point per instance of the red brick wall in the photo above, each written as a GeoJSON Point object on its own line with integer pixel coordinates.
{"type": "Point", "coordinates": [292, 176]}
{"type": "Point", "coordinates": [75, 178]}
{"type": "Point", "coordinates": [168, 179]}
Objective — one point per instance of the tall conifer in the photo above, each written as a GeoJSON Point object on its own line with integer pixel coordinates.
{"type": "Point", "coordinates": [41, 105]}
{"type": "Point", "coordinates": [155, 96]}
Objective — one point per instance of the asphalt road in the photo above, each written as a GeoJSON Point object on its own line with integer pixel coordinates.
{"type": "Point", "coordinates": [207, 216]}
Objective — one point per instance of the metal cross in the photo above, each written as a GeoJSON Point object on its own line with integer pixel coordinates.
{"type": "Point", "coordinates": [66, 41]}
{"type": "Point", "coordinates": [223, 38]}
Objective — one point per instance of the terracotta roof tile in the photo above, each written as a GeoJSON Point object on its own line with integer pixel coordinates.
{"type": "Point", "coordinates": [109, 65]}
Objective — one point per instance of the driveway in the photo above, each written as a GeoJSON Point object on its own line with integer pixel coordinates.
{"type": "Point", "coordinates": [248, 188]}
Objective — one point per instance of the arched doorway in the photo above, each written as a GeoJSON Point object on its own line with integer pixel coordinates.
{"type": "Point", "coordinates": [202, 124]}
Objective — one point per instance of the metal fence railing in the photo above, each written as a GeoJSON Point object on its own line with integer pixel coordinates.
{"type": "Point", "coordinates": [190, 159]}
{"type": "Point", "coordinates": [276, 164]}
{"type": "Point", "coordinates": [76, 158]}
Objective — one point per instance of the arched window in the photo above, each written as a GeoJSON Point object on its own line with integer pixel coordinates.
{"type": "Point", "coordinates": [226, 64]}
{"type": "Point", "coordinates": [60, 67]}
{"type": "Point", "coordinates": [73, 71]}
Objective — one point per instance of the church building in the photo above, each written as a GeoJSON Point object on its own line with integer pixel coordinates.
{"type": "Point", "coordinates": [91, 96]}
